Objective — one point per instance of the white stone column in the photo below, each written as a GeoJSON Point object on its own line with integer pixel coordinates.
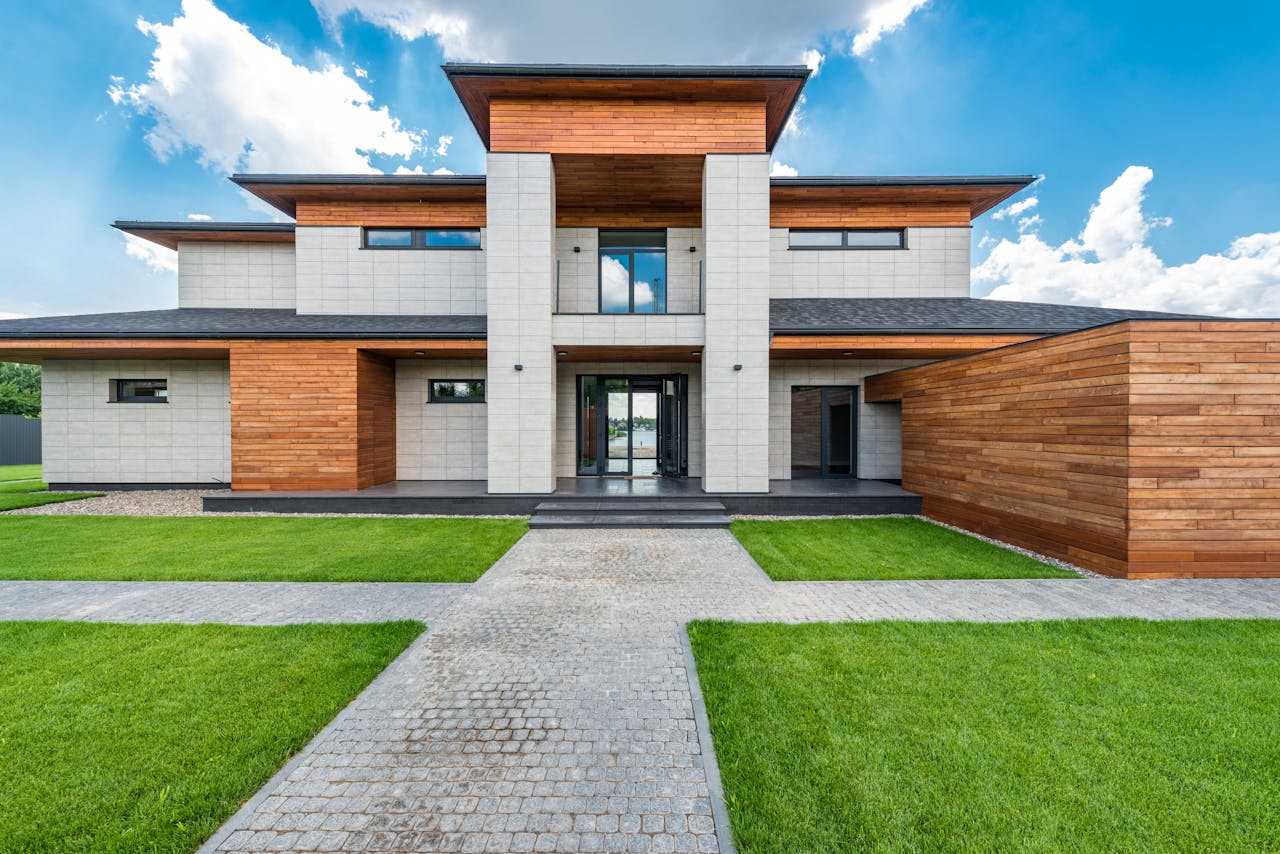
{"type": "Point", "coordinates": [520, 284]}
{"type": "Point", "coordinates": [735, 221]}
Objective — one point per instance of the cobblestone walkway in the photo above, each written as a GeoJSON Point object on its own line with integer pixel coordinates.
{"type": "Point", "coordinates": [549, 706]}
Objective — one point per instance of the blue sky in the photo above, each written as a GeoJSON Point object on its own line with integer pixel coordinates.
{"type": "Point", "coordinates": [1080, 92]}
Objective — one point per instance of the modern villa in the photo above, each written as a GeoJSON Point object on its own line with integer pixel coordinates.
{"type": "Point", "coordinates": [627, 305]}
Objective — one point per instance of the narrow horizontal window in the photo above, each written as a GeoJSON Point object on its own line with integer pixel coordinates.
{"type": "Point", "coordinates": [456, 391]}
{"type": "Point", "coordinates": [853, 238]}
{"type": "Point", "coordinates": [139, 391]}
{"type": "Point", "coordinates": [421, 238]}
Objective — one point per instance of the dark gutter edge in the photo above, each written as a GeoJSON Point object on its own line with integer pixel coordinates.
{"type": "Point", "coordinates": [902, 180]}
{"type": "Point", "coordinates": [243, 178]}
{"type": "Point", "coordinates": [656, 72]}
{"type": "Point", "coordinates": [1085, 329]}
{"type": "Point", "coordinates": [932, 330]}
{"type": "Point", "coordinates": [200, 225]}
{"type": "Point", "coordinates": [218, 336]}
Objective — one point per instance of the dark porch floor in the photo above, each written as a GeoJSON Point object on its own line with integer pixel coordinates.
{"type": "Point", "coordinates": [815, 496]}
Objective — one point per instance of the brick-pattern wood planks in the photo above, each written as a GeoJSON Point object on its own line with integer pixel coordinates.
{"type": "Point", "coordinates": [1144, 449]}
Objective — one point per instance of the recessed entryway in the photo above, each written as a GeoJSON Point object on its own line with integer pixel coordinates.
{"type": "Point", "coordinates": [633, 426]}
{"type": "Point", "coordinates": [824, 431]}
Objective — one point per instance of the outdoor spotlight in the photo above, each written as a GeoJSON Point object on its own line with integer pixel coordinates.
{"type": "Point", "coordinates": [419, 352]}
{"type": "Point", "coordinates": [693, 249]}
{"type": "Point", "coordinates": [737, 367]}
{"type": "Point", "coordinates": [577, 249]}
{"type": "Point", "coordinates": [562, 352]}
{"type": "Point", "coordinates": [519, 367]}
{"type": "Point", "coordinates": [846, 354]}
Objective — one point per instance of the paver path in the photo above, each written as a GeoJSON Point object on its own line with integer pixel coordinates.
{"type": "Point", "coordinates": [549, 707]}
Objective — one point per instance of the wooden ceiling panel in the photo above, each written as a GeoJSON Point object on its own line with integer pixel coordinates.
{"type": "Point", "coordinates": [622, 190]}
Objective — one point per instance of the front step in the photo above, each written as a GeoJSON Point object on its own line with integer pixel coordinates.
{"type": "Point", "coordinates": [629, 513]}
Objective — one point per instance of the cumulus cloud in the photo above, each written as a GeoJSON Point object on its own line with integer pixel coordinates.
{"type": "Point", "coordinates": [1110, 264]}
{"type": "Point", "coordinates": [199, 217]}
{"type": "Point", "coordinates": [782, 170]}
{"type": "Point", "coordinates": [156, 257]}
{"type": "Point", "coordinates": [813, 58]}
{"type": "Point", "coordinates": [1018, 207]}
{"type": "Point", "coordinates": [242, 105]}
{"type": "Point", "coordinates": [744, 30]}
{"type": "Point", "coordinates": [9, 315]}
{"type": "Point", "coordinates": [442, 146]}
{"type": "Point", "coordinates": [443, 171]}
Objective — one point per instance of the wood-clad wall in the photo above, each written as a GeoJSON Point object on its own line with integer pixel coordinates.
{"type": "Point", "coordinates": [306, 415]}
{"type": "Point", "coordinates": [1026, 444]}
{"type": "Point", "coordinates": [829, 213]}
{"type": "Point", "coordinates": [453, 213]}
{"type": "Point", "coordinates": [626, 126]}
{"type": "Point", "coordinates": [1144, 449]}
{"type": "Point", "coordinates": [1204, 456]}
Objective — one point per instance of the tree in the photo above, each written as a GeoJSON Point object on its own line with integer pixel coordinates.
{"type": "Point", "coordinates": [19, 389]}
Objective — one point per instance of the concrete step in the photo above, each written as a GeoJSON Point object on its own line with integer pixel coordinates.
{"type": "Point", "coordinates": [631, 505]}
{"type": "Point", "coordinates": [558, 520]}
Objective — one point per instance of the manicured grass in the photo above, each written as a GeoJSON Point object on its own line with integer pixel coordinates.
{"type": "Point", "coordinates": [18, 500]}
{"type": "Point", "coordinates": [146, 738]}
{"type": "Point", "coordinates": [25, 472]}
{"type": "Point", "coordinates": [879, 548]}
{"type": "Point", "coordinates": [1094, 735]}
{"type": "Point", "coordinates": [7, 486]}
{"type": "Point", "coordinates": [123, 548]}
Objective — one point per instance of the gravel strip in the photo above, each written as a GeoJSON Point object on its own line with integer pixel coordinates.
{"type": "Point", "coordinates": [183, 502]}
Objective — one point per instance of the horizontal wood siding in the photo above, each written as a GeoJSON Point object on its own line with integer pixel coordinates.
{"type": "Point", "coordinates": [835, 213]}
{"type": "Point", "coordinates": [626, 126]}
{"type": "Point", "coordinates": [1204, 487]}
{"type": "Point", "coordinates": [455, 213]}
{"type": "Point", "coordinates": [1026, 444]}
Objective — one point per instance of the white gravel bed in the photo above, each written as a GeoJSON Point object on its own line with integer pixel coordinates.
{"type": "Point", "coordinates": [1052, 561]}
{"type": "Point", "coordinates": [182, 502]}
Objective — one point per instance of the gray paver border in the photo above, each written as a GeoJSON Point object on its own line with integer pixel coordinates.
{"type": "Point", "coordinates": [710, 767]}
{"type": "Point", "coordinates": [240, 817]}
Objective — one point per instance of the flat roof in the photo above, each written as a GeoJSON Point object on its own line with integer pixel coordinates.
{"type": "Point", "coordinates": [284, 191]}
{"type": "Point", "coordinates": [777, 86]}
{"type": "Point", "coordinates": [902, 180]}
{"type": "Point", "coordinates": [168, 233]}
{"type": "Point", "coordinates": [181, 323]}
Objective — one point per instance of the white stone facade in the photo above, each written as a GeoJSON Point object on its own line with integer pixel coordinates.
{"type": "Point", "coordinates": [89, 439]}
{"type": "Point", "coordinates": [337, 276]}
{"type": "Point", "coordinates": [578, 273]}
{"type": "Point", "coordinates": [439, 441]}
{"type": "Point", "coordinates": [935, 263]}
{"type": "Point", "coordinates": [235, 275]}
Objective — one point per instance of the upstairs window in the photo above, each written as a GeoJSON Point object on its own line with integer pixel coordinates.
{"type": "Point", "coordinates": [633, 272]}
{"type": "Point", "coordinates": [456, 391]}
{"type": "Point", "coordinates": [139, 391]}
{"type": "Point", "coordinates": [422, 238]}
{"type": "Point", "coordinates": [848, 238]}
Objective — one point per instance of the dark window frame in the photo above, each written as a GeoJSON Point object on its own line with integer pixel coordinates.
{"type": "Point", "coordinates": [844, 240]}
{"type": "Point", "coordinates": [118, 397]}
{"type": "Point", "coordinates": [631, 248]}
{"type": "Point", "coordinates": [418, 239]}
{"type": "Point", "coordinates": [432, 398]}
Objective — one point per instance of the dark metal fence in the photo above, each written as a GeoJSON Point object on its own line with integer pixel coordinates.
{"type": "Point", "coordinates": [19, 440]}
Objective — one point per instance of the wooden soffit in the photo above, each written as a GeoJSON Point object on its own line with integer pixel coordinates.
{"type": "Point", "coordinates": [888, 346]}
{"type": "Point", "coordinates": [288, 193]}
{"type": "Point", "coordinates": [921, 203]}
{"type": "Point", "coordinates": [613, 353]}
{"type": "Point", "coordinates": [169, 235]}
{"type": "Point", "coordinates": [628, 191]}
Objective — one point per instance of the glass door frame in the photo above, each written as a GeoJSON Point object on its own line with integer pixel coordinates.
{"type": "Point", "coordinates": [824, 431]}
{"type": "Point", "coordinates": [652, 384]}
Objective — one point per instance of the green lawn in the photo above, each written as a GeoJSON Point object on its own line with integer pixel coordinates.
{"type": "Point", "coordinates": [29, 472]}
{"type": "Point", "coordinates": [31, 493]}
{"type": "Point", "coordinates": [879, 548]}
{"type": "Point", "coordinates": [124, 548]}
{"type": "Point", "coordinates": [1092, 735]}
{"type": "Point", "coordinates": [146, 738]}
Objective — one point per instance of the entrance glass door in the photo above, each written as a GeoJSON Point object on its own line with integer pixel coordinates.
{"type": "Point", "coordinates": [638, 421]}
{"type": "Point", "coordinates": [824, 431]}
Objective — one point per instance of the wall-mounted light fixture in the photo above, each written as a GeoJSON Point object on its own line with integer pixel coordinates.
{"type": "Point", "coordinates": [577, 249]}
{"type": "Point", "coordinates": [693, 249]}
{"type": "Point", "coordinates": [737, 367]}
{"type": "Point", "coordinates": [519, 367]}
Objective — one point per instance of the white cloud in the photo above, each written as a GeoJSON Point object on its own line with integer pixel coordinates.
{"type": "Point", "coordinates": [1110, 264]}
{"type": "Point", "coordinates": [443, 171]}
{"type": "Point", "coordinates": [882, 19]}
{"type": "Point", "coordinates": [795, 125]}
{"type": "Point", "coordinates": [1018, 207]}
{"type": "Point", "coordinates": [9, 315]}
{"type": "Point", "coordinates": [199, 217]}
{"type": "Point", "coordinates": [782, 170]}
{"type": "Point", "coordinates": [442, 146]}
{"type": "Point", "coordinates": [154, 256]}
{"type": "Point", "coordinates": [360, 72]}
{"type": "Point", "coordinates": [241, 104]}
{"type": "Point", "coordinates": [1027, 223]}
{"type": "Point", "coordinates": [551, 31]}
{"type": "Point", "coordinates": [813, 59]}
